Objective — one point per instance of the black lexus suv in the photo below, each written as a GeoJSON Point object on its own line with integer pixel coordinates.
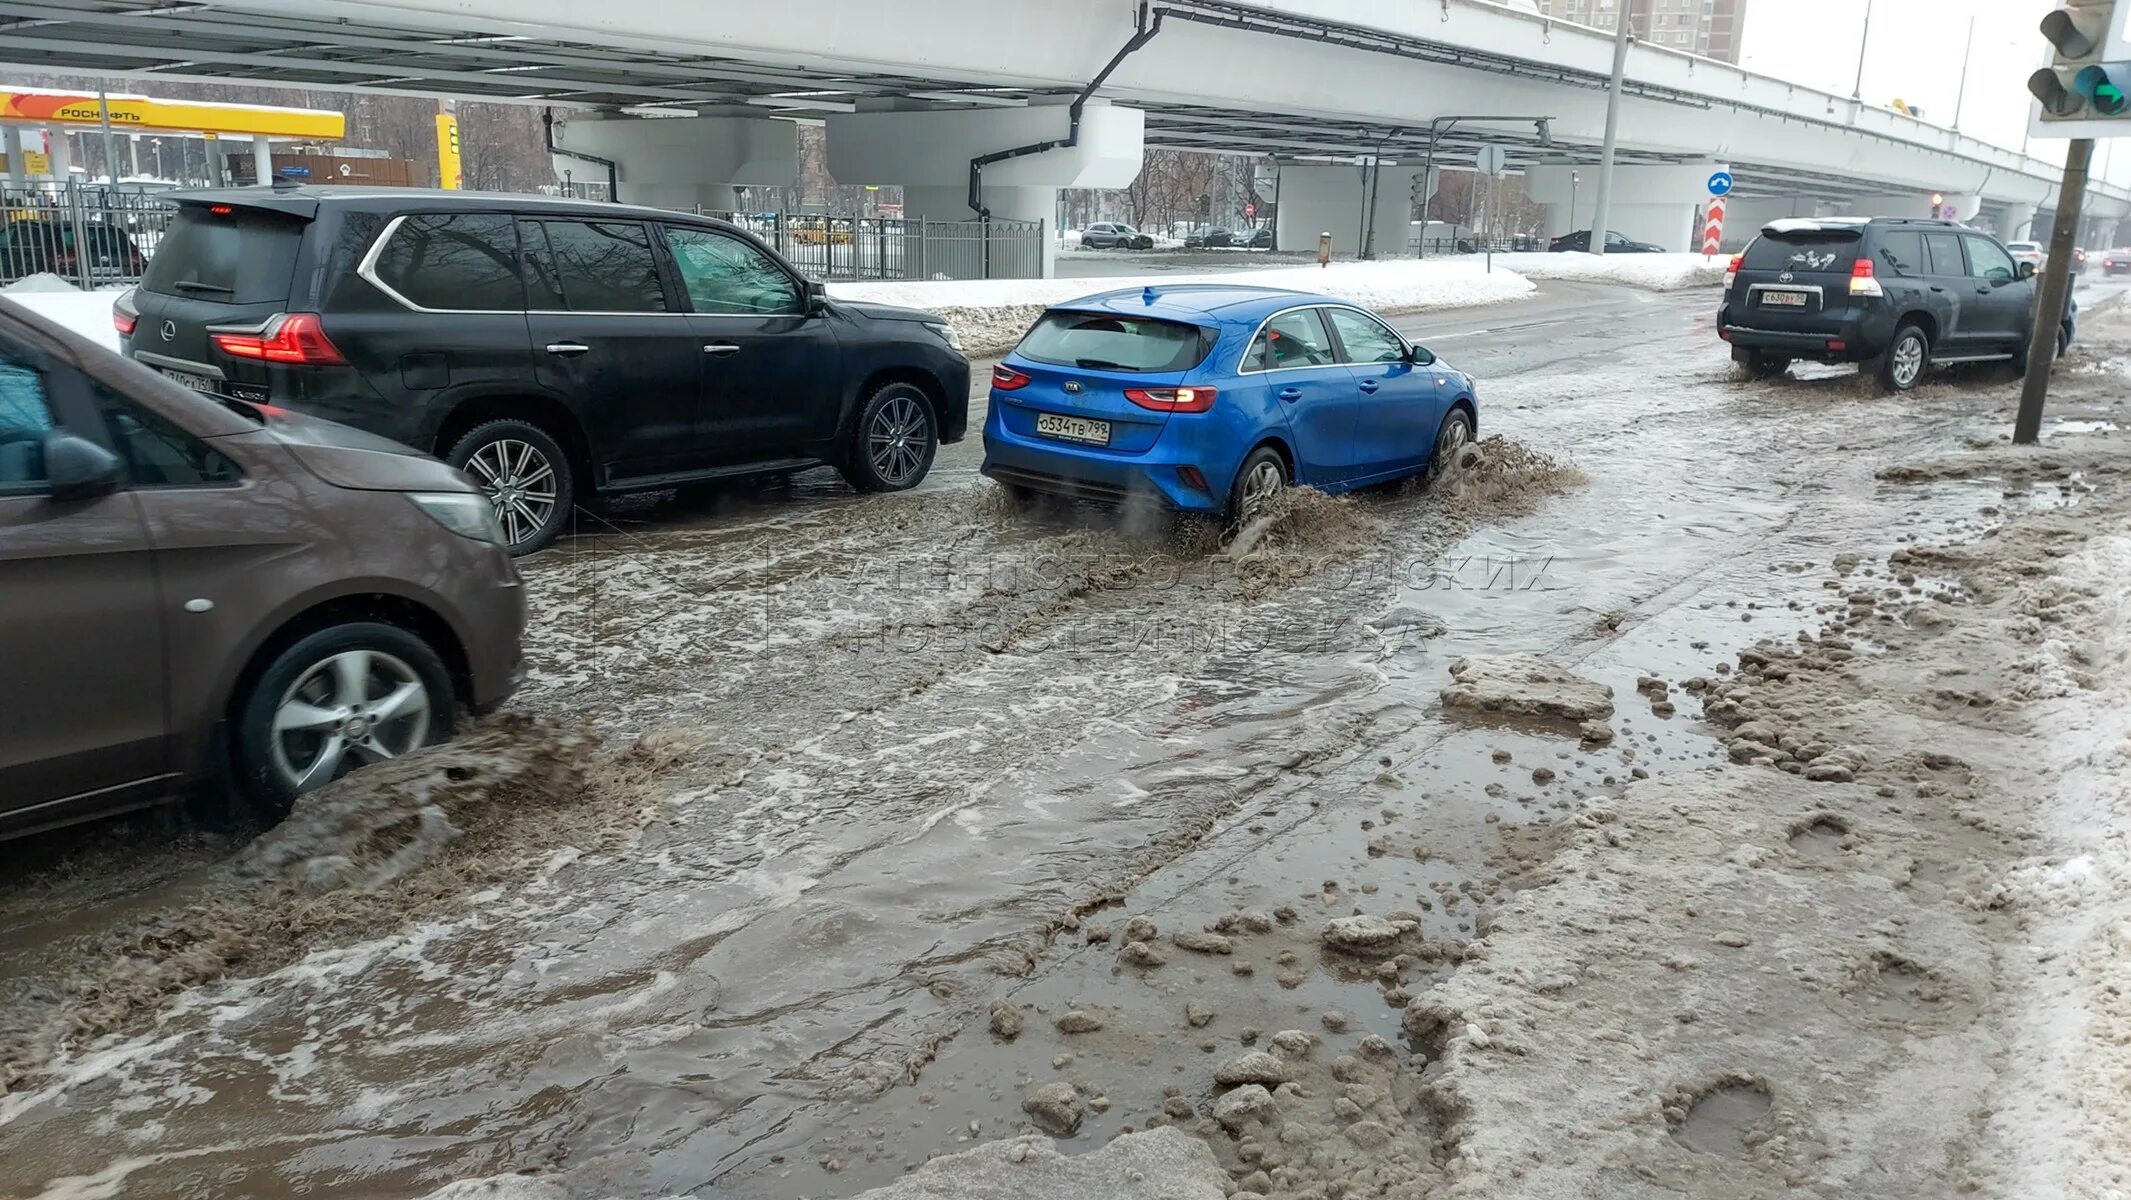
{"type": "Point", "coordinates": [1896, 295]}
{"type": "Point", "coordinates": [555, 350]}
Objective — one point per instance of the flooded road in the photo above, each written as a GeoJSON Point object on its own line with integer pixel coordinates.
{"type": "Point", "coordinates": [926, 746]}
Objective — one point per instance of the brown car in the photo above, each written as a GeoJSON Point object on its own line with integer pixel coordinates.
{"type": "Point", "coordinates": [196, 593]}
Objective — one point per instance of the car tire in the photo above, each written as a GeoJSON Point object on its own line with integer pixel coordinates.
{"type": "Point", "coordinates": [1453, 436]}
{"type": "Point", "coordinates": [314, 713]}
{"type": "Point", "coordinates": [1767, 366]}
{"type": "Point", "coordinates": [892, 440]}
{"type": "Point", "coordinates": [1905, 360]}
{"type": "Point", "coordinates": [1262, 476]}
{"type": "Point", "coordinates": [527, 477]}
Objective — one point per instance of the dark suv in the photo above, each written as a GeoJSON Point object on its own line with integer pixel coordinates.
{"type": "Point", "coordinates": [553, 349]}
{"type": "Point", "coordinates": [1894, 294]}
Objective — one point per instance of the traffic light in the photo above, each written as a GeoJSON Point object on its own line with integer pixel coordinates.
{"type": "Point", "coordinates": [2086, 89]}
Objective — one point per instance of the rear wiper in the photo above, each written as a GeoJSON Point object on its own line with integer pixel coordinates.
{"type": "Point", "coordinates": [194, 285]}
{"type": "Point", "coordinates": [1100, 364]}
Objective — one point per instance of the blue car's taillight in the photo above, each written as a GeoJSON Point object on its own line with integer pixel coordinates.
{"type": "Point", "coordinates": [1175, 400]}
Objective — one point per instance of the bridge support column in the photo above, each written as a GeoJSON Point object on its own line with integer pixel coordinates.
{"type": "Point", "coordinates": [17, 172]}
{"type": "Point", "coordinates": [682, 162]}
{"type": "Point", "coordinates": [928, 152]}
{"type": "Point", "coordinates": [2019, 223]}
{"type": "Point", "coordinates": [1650, 204]}
{"type": "Point", "coordinates": [1336, 200]}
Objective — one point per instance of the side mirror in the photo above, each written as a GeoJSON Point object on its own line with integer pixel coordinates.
{"type": "Point", "coordinates": [2027, 270]}
{"type": "Point", "coordinates": [1420, 356]}
{"type": "Point", "coordinates": [79, 469]}
{"type": "Point", "coordinates": [817, 296]}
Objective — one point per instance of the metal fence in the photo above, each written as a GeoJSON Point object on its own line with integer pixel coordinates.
{"type": "Point", "coordinates": [89, 235]}
{"type": "Point", "coordinates": [856, 248]}
{"type": "Point", "coordinates": [97, 235]}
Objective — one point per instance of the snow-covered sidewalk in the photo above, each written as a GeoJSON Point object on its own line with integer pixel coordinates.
{"type": "Point", "coordinates": [1655, 272]}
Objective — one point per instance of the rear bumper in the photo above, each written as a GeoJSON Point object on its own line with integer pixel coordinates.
{"type": "Point", "coordinates": [1154, 477]}
{"type": "Point", "coordinates": [1845, 340]}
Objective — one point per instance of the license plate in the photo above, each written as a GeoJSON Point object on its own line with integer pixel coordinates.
{"type": "Point", "coordinates": [198, 383]}
{"type": "Point", "coordinates": [1784, 299]}
{"type": "Point", "coordinates": [1073, 429]}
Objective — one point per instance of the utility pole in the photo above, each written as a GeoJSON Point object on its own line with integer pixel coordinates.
{"type": "Point", "coordinates": [2056, 290]}
{"type": "Point", "coordinates": [1603, 212]}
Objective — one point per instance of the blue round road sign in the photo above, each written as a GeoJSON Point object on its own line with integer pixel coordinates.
{"type": "Point", "coordinates": [1720, 184]}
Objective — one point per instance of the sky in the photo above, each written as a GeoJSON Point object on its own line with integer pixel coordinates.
{"type": "Point", "coordinates": [1914, 54]}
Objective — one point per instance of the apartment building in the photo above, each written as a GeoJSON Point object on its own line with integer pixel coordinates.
{"type": "Point", "coordinates": [1706, 27]}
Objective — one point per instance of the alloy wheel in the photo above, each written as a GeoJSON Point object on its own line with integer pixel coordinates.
{"type": "Point", "coordinates": [896, 441]}
{"type": "Point", "coordinates": [1454, 437]}
{"type": "Point", "coordinates": [520, 482]}
{"type": "Point", "coordinates": [1264, 482]}
{"type": "Point", "coordinates": [1908, 360]}
{"type": "Point", "coordinates": [361, 703]}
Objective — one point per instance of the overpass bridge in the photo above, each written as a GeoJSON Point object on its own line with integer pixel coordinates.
{"type": "Point", "coordinates": [991, 98]}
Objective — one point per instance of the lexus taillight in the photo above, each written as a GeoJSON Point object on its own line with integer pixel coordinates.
{"type": "Point", "coordinates": [1180, 399]}
{"type": "Point", "coordinates": [1007, 379]}
{"type": "Point", "coordinates": [1732, 272]}
{"type": "Point", "coordinates": [125, 322]}
{"type": "Point", "coordinates": [285, 338]}
{"type": "Point", "coordinates": [1862, 282]}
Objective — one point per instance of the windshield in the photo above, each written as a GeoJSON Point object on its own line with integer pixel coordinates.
{"type": "Point", "coordinates": [1107, 342]}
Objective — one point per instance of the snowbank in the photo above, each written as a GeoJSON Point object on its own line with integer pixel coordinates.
{"type": "Point", "coordinates": [1656, 272]}
{"type": "Point", "coordinates": [991, 314]}
{"type": "Point", "coordinates": [54, 299]}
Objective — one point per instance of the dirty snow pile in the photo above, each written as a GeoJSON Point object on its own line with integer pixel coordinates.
{"type": "Point", "coordinates": [991, 314]}
{"type": "Point", "coordinates": [1653, 272]}
{"type": "Point", "coordinates": [56, 300]}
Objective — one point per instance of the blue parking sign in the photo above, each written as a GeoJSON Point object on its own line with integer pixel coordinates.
{"type": "Point", "coordinates": [1720, 184]}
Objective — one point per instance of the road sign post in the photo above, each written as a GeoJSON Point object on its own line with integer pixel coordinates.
{"type": "Point", "coordinates": [1720, 185]}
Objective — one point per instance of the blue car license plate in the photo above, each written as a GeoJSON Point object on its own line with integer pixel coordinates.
{"type": "Point", "coordinates": [1073, 429]}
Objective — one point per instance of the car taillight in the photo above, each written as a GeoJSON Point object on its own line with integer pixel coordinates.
{"type": "Point", "coordinates": [285, 338]}
{"type": "Point", "coordinates": [1732, 272]}
{"type": "Point", "coordinates": [1181, 399]}
{"type": "Point", "coordinates": [124, 321]}
{"type": "Point", "coordinates": [1861, 281]}
{"type": "Point", "coordinates": [1007, 379]}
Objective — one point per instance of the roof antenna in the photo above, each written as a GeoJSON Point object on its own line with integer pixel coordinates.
{"type": "Point", "coordinates": [1147, 295]}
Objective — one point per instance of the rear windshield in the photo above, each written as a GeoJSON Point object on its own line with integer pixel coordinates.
{"type": "Point", "coordinates": [1802, 252]}
{"type": "Point", "coordinates": [244, 256]}
{"type": "Point", "coordinates": [1106, 342]}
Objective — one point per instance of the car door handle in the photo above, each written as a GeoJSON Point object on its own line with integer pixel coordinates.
{"type": "Point", "coordinates": [721, 349]}
{"type": "Point", "coordinates": [1369, 385]}
{"type": "Point", "coordinates": [1291, 394]}
{"type": "Point", "coordinates": [568, 349]}
{"type": "Point", "coordinates": [1937, 288]}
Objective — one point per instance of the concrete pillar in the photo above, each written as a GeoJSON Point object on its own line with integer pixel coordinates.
{"type": "Point", "coordinates": [62, 154]}
{"type": "Point", "coordinates": [682, 162]}
{"type": "Point", "coordinates": [1335, 200]}
{"type": "Point", "coordinates": [262, 161]}
{"type": "Point", "coordinates": [133, 154]}
{"type": "Point", "coordinates": [217, 173]}
{"type": "Point", "coordinates": [928, 152]}
{"type": "Point", "coordinates": [1654, 204]}
{"type": "Point", "coordinates": [2019, 223]}
{"type": "Point", "coordinates": [17, 169]}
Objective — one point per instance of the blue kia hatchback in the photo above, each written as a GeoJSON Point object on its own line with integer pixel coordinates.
{"type": "Point", "coordinates": [1210, 398]}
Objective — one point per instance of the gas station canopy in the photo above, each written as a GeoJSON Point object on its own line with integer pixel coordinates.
{"type": "Point", "coordinates": [136, 114]}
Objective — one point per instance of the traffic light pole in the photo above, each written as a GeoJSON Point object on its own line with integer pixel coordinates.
{"type": "Point", "coordinates": [2056, 292]}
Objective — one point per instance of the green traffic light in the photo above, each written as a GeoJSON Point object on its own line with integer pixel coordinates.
{"type": "Point", "coordinates": [2102, 87]}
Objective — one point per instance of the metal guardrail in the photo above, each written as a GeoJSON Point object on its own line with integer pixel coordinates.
{"type": "Point", "coordinates": [90, 235]}
{"type": "Point", "coordinates": [860, 248]}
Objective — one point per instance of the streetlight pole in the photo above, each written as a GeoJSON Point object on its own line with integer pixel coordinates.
{"type": "Point", "coordinates": [1603, 211]}
{"type": "Point", "coordinates": [1961, 104]}
{"type": "Point", "coordinates": [1857, 90]}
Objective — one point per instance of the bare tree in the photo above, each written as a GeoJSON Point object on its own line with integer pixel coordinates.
{"type": "Point", "coordinates": [1169, 186]}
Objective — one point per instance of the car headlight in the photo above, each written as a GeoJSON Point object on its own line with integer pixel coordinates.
{"type": "Point", "coordinates": [468, 514]}
{"type": "Point", "coordinates": [947, 334]}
